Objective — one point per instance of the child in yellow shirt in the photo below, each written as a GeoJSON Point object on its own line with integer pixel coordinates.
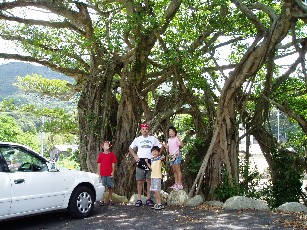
{"type": "Point", "coordinates": [156, 176]}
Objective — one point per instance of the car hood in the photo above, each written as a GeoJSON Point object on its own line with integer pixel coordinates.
{"type": "Point", "coordinates": [80, 176]}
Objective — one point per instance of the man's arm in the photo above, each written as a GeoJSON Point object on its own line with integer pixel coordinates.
{"type": "Point", "coordinates": [135, 156]}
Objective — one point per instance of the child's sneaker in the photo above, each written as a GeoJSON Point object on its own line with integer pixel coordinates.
{"type": "Point", "coordinates": [110, 202]}
{"type": "Point", "coordinates": [149, 202]}
{"type": "Point", "coordinates": [101, 203]}
{"type": "Point", "coordinates": [159, 207]}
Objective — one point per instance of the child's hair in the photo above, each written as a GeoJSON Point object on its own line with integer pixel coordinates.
{"type": "Point", "coordinates": [155, 148]}
{"type": "Point", "coordinates": [110, 145]}
{"type": "Point", "coordinates": [173, 128]}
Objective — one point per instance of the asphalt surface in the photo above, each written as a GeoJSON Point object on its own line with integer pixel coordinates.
{"type": "Point", "coordinates": [130, 217]}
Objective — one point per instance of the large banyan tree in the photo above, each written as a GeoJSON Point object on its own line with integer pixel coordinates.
{"type": "Point", "coordinates": [135, 60]}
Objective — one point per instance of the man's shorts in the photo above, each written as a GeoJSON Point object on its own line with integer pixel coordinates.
{"type": "Point", "coordinates": [108, 181]}
{"type": "Point", "coordinates": [141, 174]}
{"type": "Point", "coordinates": [177, 161]}
{"type": "Point", "coordinates": [155, 184]}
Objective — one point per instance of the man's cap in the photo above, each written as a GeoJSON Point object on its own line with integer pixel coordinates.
{"type": "Point", "coordinates": [144, 125]}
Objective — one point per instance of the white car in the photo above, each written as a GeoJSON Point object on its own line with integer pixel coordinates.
{"type": "Point", "coordinates": [31, 184]}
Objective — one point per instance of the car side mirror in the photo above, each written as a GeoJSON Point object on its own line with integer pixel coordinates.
{"type": "Point", "coordinates": [52, 166]}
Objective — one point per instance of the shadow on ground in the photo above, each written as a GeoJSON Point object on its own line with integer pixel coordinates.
{"type": "Point", "coordinates": [145, 218]}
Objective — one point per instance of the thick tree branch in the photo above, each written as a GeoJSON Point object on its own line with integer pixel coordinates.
{"type": "Point", "coordinates": [250, 15]}
{"type": "Point", "coordinates": [72, 55]}
{"type": "Point", "coordinates": [56, 25]}
{"type": "Point", "coordinates": [154, 83]}
{"type": "Point", "coordinates": [169, 13]}
{"type": "Point", "coordinates": [229, 42]}
{"type": "Point", "coordinates": [268, 10]}
{"type": "Point", "coordinates": [200, 40]}
{"type": "Point", "coordinates": [290, 113]}
{"type": "Point", "coordinates": [77, 74]}
{"type": "Point", "coordinates": [284, 76]}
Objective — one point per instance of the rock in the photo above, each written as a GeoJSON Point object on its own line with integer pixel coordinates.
{"type": "Point", "coordinates": [177, 198]}
{"type": "Point", "coordinates": [164, 196]}
{"type": "Point", "coordinates": [292, 207]}
{"type": "Point", "coordinates": [195, 201]}
{"type": "Point", "coordinates": [241, 202]}
{"type": "Point", "coordinates": [134, 198]}
{"type": "Point", "coordinates": [214, 203]}
{"type": "Point", "coordinates": [116, 198]}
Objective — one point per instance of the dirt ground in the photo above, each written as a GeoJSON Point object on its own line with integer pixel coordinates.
{"type": "Point", "coordinates": [145, 218]}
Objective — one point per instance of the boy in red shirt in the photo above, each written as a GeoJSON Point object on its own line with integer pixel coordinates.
{"type": "Point", "coordinates": [106, 166]}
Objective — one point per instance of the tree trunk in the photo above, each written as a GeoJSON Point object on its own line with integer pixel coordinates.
{"type": "Point", "coordinates": [225, 137]}
{"type": "Point", "coordinates": [225, 151]}
{"type": "Point", "coordinates": [128, 121]}
{"type": "Point", "coordinates": [94, 111]}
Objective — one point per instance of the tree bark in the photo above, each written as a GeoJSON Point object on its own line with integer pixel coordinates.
{"type": "Point", "coordinates": [128, 120]}
{"type": "Point", "coordinates": [225, 137]}
{"type": "Point", "coordinates": [95, 112]}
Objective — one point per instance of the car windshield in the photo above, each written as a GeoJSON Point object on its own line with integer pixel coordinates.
{"type": "Point", "coordinates": [18, 159]}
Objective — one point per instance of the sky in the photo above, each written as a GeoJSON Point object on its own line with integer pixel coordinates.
{"type": "Point", "coordinates": [30, 13]}
{"type": "Point", "coordinates": [6, 47]}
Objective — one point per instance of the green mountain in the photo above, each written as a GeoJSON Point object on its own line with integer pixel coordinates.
{"type": "Point", "coordinates": [10, 71]}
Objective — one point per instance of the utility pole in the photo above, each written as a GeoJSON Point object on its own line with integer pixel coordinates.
{"type": "Point", "coordinates": [42, 132]}
{"type": "Point", "coordinates": [278, 125]}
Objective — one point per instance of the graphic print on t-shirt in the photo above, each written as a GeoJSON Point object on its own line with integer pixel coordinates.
{"type": "Point", "coordinates": [146, 144]}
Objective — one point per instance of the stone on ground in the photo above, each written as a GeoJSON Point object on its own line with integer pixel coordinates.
{"type": "Point", "coordinates": [195, 201]}
{"type": "Point", "coordinates": [241, 202]}
{"type": "Point", "coordinates": [292, 207]}
{"type": "Point", "coordinates": [214, 203]}
{"type": "Point", "coordinates": [116, 198]}
{"type": "Point", "coordinates": [177, 198]}
{"type": "Point", "coordinates": [134, 198]}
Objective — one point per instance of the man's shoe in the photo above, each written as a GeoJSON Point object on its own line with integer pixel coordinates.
{"type": "Point", "coordinates": [159, 207]}
{"type": "Point", "coordinates": [138, 203]}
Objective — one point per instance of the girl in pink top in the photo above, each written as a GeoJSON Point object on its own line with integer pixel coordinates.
{"type": "Point", "coordinates": [174, 144]}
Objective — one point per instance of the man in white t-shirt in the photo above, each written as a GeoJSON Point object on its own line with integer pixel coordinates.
{"type": "Point", "coordinates": [143, 144]}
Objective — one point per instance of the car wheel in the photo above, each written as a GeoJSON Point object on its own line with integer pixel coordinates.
{"type": "Point", "coordinates": [81, 203]}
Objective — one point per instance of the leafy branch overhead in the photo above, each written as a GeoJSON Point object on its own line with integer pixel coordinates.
{"type": "Point", "coordinates": [45, 87]}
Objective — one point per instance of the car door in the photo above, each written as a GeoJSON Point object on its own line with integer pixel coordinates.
{"type": "Point", "coordinates": [33, 187]}
{"type": "Point", "coordinates": [5, 191]}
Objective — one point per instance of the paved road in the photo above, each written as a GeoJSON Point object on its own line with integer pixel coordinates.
{"type": "Point", "coordinates": [144, 218]}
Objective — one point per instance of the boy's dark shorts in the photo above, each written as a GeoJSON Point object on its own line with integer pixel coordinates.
{"type": "Point", "coordinates": [141, 174]}
{"type": "Point", "coordinates": [108, 181]}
